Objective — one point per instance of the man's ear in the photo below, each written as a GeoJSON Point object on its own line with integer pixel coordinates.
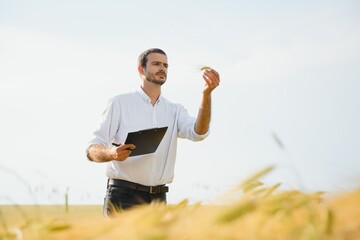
{"type": "Point", "coordinates": [141, 70]}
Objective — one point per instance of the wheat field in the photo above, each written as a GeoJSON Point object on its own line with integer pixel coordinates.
{"type": "Point", "coordinates": [249, 211]}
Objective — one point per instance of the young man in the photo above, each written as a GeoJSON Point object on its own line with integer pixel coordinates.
{"type": "Point", "coordinates": [141, 179]}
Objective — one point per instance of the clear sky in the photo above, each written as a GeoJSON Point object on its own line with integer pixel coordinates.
{"type": "Point", "coordinates": [289, 93]}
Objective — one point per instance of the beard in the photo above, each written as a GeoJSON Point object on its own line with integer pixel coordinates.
{"type": "Point", "coordinates": [152, 78]}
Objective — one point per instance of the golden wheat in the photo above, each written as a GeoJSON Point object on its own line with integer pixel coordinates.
{"type": "Point", "coordinates": [259, 212]}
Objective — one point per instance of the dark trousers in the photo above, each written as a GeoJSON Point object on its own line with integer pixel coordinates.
{"type": "Point", "coordinates": [119, 198]}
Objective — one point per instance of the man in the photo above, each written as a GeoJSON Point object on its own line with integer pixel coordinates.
{"type": "Point", "coordinates": [141, 179]}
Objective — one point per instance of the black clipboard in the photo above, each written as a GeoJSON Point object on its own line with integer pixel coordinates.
{"type": "Point", "coordinates": [146, 141]}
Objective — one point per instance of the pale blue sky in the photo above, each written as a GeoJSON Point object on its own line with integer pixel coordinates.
{"type": "Point", "coordinates": [289, 68]}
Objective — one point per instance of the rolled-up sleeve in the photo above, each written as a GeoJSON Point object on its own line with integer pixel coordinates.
{"type": "Point", "coordinates": [186, 126]}
{"type": "Point", "coordinates": [108, 125]}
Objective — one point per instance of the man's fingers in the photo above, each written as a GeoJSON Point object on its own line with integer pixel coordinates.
{"type": "Point", "coordinates": [215, 73]}
{"type": "Point", "coordinates": [123, 151]}
{"type": "Point", "coordinates": [212, 75]}
{"type": "Point", "coordinates": [211, 80]}
{"type": "Point", "coordinates": [127, 147]}
{"type": "Point", "coordinates": [123, 154]}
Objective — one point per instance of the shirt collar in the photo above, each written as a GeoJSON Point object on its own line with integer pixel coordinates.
{"type": "Point", "coordinates": [145, 97]}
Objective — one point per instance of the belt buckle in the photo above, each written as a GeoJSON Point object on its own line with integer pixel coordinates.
{"type": "Point", "coordinates": [153, 190]}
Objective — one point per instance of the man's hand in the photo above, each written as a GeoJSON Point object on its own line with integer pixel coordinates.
{"type": "Point", "coordinates": [100, 153]}
{"type": "Point", "coordinates": [212, 80]}
{"type": "Point", "coordinates": [122, 152]}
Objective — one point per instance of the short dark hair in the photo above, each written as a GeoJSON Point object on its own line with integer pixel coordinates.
{"type": "Point", "coordinates": [142, 60]}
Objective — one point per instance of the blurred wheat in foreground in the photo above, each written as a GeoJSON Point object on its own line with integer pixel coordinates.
{"type": "Point", "coordinates": [256, 212]}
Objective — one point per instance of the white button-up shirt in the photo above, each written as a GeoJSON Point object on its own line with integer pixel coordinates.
{"type": "Point", "coordinates": [133, 112]}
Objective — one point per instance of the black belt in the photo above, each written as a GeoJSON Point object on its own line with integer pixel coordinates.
{"type": "Point", "coordinates": [139, 187]}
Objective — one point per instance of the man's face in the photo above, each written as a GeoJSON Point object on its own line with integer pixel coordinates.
{"type": "Point", "coordinates": [156, 68]}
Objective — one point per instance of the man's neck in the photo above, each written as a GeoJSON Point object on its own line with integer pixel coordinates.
{"type": "Point", "coordinates": [152, 91]}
